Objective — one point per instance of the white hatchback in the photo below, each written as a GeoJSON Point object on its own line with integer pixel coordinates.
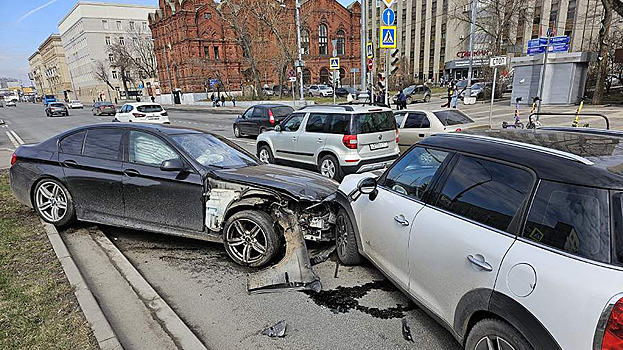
{"type": "Point", "coordinates": [75, 104]}
{"type": "Point", "coordinates": [142, 112]}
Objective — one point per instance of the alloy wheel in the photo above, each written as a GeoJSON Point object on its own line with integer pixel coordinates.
{"type": "Point", "coordinates": [493, 342]}
{"type": "Point", "coordinates": [236, 131]}
{"type": "Point", "coordinates": [264, 156]}
{"type": "Point", "coordinates": [246, 240]}
{"type": "Point", "coordinates": [341, 238]}
{"type": "Point", "coordinates": [327, 168]}
{"type": "Point", "coordinates": [51, 201]}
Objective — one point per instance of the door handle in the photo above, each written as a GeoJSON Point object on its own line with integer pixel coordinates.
{"type": "Point", "coordinates": [294, 138]}
{"type": "Point", "coordinates": [479, 261]}
{"type": "Point", "coordinates": [319, 140]}
{"type": "Point", "coordinates": [401, 220]}
{"type": "Point", "coordinates": [131, 173]}
{"type": "Point", "coordinates": [69, 163]}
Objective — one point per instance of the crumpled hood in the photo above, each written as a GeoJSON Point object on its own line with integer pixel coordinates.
{"type": "Point", "coordinates": [301, 184]}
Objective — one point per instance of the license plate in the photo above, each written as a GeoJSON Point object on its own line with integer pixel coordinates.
{"type": "Point", "coordinates": [374, 146]}
{"type": "Point", "coordinates": [153, 118]}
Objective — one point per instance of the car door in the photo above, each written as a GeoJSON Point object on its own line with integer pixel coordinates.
{"type": "Point", "coordinates": [385, 219]}
{"type": "Point", "coordinates": [312, 138]}
{"type": "Point", "coordinates": [459, 241]}
{"type": "Point", "coordinates": [155, 198]}
{"type": "Point", "coordinates": [91, 161]}
{"type": "Point", "coordinates": [285, 141]}
{"type": "Point", "coordinates": [245, 122]}
{"type": "Point", "coordinates": [258, 120]}
{"type": "Point", "coordinates": [122, 115]}
{"type": "Point", "coordinates": [410, 129]}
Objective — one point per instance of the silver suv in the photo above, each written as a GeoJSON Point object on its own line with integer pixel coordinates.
{"type": "Point", "coordinates": [336, 139]}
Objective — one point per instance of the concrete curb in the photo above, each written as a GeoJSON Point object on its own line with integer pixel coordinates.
{"type": "Point", "coordinates": [104, 334]}
{"type": "Point", "coordinates": [172, 324]}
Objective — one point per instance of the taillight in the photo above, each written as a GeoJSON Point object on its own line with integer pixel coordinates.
{"type": "Point", "coordinates": [613, 334]}
{"type": "Point", "coordinates": [458, 130]}
{"type": "Point", "coordinates": [102, 107]}
{"type": "Point", "coordinates": [138, 115]}
{"type": "Point", "coordinates": [271, 117]}
{"type": "Point", "coordinates": [164, 114]}
{"type": "Point", "coordinates": [13, 159]}
{"type": "Point", "coordinates": [350, 141]}
{"type": "Point", "coordinates": [397, 135]}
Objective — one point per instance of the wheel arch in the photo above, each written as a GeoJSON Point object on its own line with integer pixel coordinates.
{"type": "Point", "coordinates": [341, 201]}
{"type": "Point", "coordinates": [41, 178]}
{"type": "Point", "coordinates": [325, 152]}
{"type": "Point", "coordinates": [263, 143]}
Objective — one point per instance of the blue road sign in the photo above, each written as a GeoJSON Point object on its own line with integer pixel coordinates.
{"type": "Point", "coordinates": [213, 82]}
{"type": "Point", "coordinates": [334, 63]}
{"type": "Point", "coordinates": [388, 37]}
{"type": "Point", "coordinates": [559, 48]}
{"type": "Point", "coordinates": [536, 50]}
{"type": "Point", "coordinates": [389, 16]}
{"type": "Point", "coordinates": [559, 40]}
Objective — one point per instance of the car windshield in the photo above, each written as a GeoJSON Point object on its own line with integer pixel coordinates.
{"type": "Point", "coordinates": [57, 105]}
{"type": "Point", "coordinates": [448, 118]}
{"type": "Point", "coordinates": [324, 87]}
{"type": "Point", "coordinates": [409, 90]}
{"type": "Point", "coordinates": [105, 104]}
{"type": "Point", "coordinates": [210, 151]}
{"type": "Point", "coordinates": [282, 111]}
{"type": "Point", "coordinates": [374, 122]}
{"type": "Point", "coordinates": [74, 101]}
{"type": "Point", "coordinates": [149, 108]}
{"type": "Point", "coordinates": [477, 86]}
{"type": "Point", "coordinates": [461, 84]}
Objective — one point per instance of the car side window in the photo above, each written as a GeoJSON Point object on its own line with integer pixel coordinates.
{"type": "Point", "coordinates": [258, 112]}
{"type": "Point", "coordinates": [414, 120]}
{"type": "Point", "coordinates": [72, 144]}
{"type": "Point", "coordinates": [399, 117]}
{"type": "Point", "coordinates": [339, 124]}
{"type": "Point", "coordinates": [484, 191]}
{"type": "Point", "coordinates": [293, 123]}
{"type": "Point", "coordinates": [103, 143]}
{"type": "Point", "coordinates": [316, 122]}
{"type": "Point", "coordinates": [571, 218]}
{"type": "Point", "coordinates": [144, 148]}
{"type": "Point", "coordinates": [249, 113]}
{"type": "Point", "coordinates": [412, 175]}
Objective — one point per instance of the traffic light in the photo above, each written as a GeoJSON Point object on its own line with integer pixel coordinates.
{"type": "Point", "coordinates": [381, 77]}
{"type": "Point", "coordinates": [394, 62]}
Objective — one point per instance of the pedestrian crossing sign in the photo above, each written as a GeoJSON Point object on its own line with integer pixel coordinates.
{"type": "Point", "coordinates": [388, 37]}
{"type": "Point", "coordinates": [334, 63]}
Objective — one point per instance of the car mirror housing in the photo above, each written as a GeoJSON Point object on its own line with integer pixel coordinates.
{"type": "Point", "coordinates": [174, 164]}
{"type": "Point", "coordinates": [365, 186]}
{"type": "Point", "coordinates": [278, 128]}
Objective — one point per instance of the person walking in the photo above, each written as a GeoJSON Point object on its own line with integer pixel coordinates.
{"type": "Point", "coordinates": [455, 97]}
{"type": "Point", "coordinates": [233, 100]}
{"type": "Point", "coordinates": [223, 100]}
{"type": "Point", "coordinates": [450, 93]}
{"type": "Point", "coordinates": [213, 101]}
{"type": "Point", "coordinates": [402, 100]}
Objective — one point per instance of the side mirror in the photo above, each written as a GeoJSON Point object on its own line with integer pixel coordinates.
{"type": "Point", "coordinates": [118, 110]}
{"type": "Point", "coordinates": [367, 185]}
{"type": "Point", "coordinates": [278, 128]}
{"type": "Point", "coordinates": [241, 116]}
{"type": "Point", "coordinates": [174, 164]}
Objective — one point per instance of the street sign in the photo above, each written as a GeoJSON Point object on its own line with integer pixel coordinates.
{"type": "Point", "coordinates": [497, 61]}
{"type": "Point", "coordinates": [370, 50]}
{"type": "Point", "coordinates": [334, 63]}
{"type": "Point", "coordinates": [292, 79]}
{"type": "Point", "coordinates": [370, 64]}
{"type": "Point", "coordinates": [213, 82]}
{"type": "Point", "coordinates": [354, 70]}
{"type": "Point", "coordinates": [556, 44]}
{"type": "Point", "coordinates": [388, 37]}
{"type": "Point", "coordinates": [291, 72]}
{"type": "Point", "coordinates": [389, 3]}
{"type": "Point", "coordinates": [389, 16]}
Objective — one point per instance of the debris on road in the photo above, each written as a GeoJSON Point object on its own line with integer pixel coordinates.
{"type": "Point", "coordinates": [277, 330]}
{"type": "Point", "coordinates": [337, 269]}
{"type": "Point", "coordinates": [322, 255]}
{"type": "Point", "coordinates": [406, 331]}
{"type": "Point", "coordinates": [1, 121]}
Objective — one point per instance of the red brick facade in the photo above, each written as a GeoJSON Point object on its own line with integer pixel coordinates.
{"type": "Point", "coordinates": [199, 45]}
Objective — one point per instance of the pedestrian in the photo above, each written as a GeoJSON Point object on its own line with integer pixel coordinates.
{"type": "Point", "coordinates": [402, 100]}
{"type": "Point", "coordinates": [455, 96]}
{"type": "Point", "coordinates": [450, 93]}
{"type": "Point", "coordinates": [116, 102]}
{"type": "Point", "coordinates": [233, 100]}
{"type": "Point", "coordinates": [349, 98]}
{"type": "Point", "coordinates": [153, 99]}
{"type": "Point", "coordinates": [138, 99]}
{"type": "Point", "coordinates": [223, 100]}
{"type": "Point", "coordinates": [213, 101]}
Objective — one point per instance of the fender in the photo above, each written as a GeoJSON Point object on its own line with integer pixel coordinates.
{"type": "Point", "coordinates": [342, 199]}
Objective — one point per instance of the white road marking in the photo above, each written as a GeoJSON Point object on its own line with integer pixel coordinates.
{"type": "Point", "coordinates": [13, 140]}
{"type": "Point", "coordinates": [19, 139]}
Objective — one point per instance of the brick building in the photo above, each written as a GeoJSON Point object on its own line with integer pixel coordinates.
{"type": "Point", "coordinates": [195, 43]}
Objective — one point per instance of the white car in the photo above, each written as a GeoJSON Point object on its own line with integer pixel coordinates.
{"type": "Point", "coordinates": [11, 103]}
{"type": "Point", "coordinates": [142, 112]}
{"type": "Point", "coordinates": [75, 104]}
{"type": "Point", "coordinates": [320, 90]}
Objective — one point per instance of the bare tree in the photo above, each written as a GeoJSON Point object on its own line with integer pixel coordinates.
{"type": "Point", "coordinates": [101, 73]}
{"type": "Point", "coordinates": [141, 52]}
{"type": "Point", "coordinates": [123, 62]}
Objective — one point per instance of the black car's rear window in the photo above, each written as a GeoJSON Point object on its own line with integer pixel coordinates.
{"type": "Point", "coordinates": [373, 122]}
{"type": "Point", "coordinates": [149, 108]}
{"type": "Point", "coordinates": [451, 117]}
{"type": "Point", "coordinates": [280, 112]}
{"type": "Point", "coordinates": [105, 103]}
{"type": "Point", "coordinates": [57, 105]}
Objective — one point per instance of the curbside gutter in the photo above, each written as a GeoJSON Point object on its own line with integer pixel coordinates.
{"type": "Point", "coordinates": [103, 332]}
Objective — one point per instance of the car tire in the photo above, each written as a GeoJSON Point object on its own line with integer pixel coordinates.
{"type": "Point", "coordinates": [237, 132]}
{"type": "Point", "coordinates": [497, 330]}
{"type": "Point", "coordinates": [257, 245]}
{"type": "Point", "coordinates": [409, 100]}
{"type": "Point", "coordinates": [328, 166]}
{"type": "Point", "coordinates": [266, 155]}
{"type": "Point", "coordinates": [53, 202]}
{"type": "Point", "coordinates": [262, 130]}
{"type": "Point", "coordinates": [427, 98]}
{"type": "Point", "coordinates": [345, 240]}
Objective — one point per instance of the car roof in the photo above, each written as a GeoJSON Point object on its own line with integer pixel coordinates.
{"type": "Point", "coordinates": [165, 129]}
{"type": "Point", "coordinates": [354, 108]}
{"type": "Point", "coordinates": [580, 158]}
{"type": "Point", "coordinates": [270, 105]}
{"type": "Point", "coordinates": [136, 104]}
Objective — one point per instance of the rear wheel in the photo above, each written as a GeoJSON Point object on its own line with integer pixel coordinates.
{"type": "Point", "coordinates": [53, 202]}
{"type": "Point", "coordinates": [426, 98]}
{"type": "Point", "coordinates": [262, 130]}
{"type": "Point", "coordinates": [266, 155]}
{"type": "Point", "coordinates": [250, 238]}
{"type": "Point", "coordinates": [329, 167]}
{"type": "Point", "coordinates": [494, 334]}
{"type": "Point", "coordinates": [409, 100]}
{"type": "Point", "coordinates": [345, 240]}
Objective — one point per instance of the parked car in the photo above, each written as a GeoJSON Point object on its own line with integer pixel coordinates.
{"type": "Point", "coordinates": [142, 112]}
{"type": "Point", "coordinates": [417, 124]}
{"type": "Point", "coordinates": [344, 91]}
{"type": "Point", "coordinates": [75, 104]}
{"type": "Point", "coordinates": [320, 91]}
{"type": "Point", "coordinates": [268, 92]}
{"type": "Point", "coordinates": [505, 237]}
{"type": "Point", "coordinates": [103, 108]}
{"type": "Point", "coordinates": [173, 181]}
{"type": "Point", "coordinates": [11, 103]}
{"type": "Point", "coordinates": [260, 118]}
{"type": "Point", "coordinates": [415, 93]}
{"type": "Point", "coordinates": [285, 90]}
{"type": "Point", "coordinates": [335, 140]}
{"type": "Point", "coordinates": [56, 109]}
{"type": "Point", "coordinates": [1, 103]}
{"type": "Point", "coordinates": [479, 90]}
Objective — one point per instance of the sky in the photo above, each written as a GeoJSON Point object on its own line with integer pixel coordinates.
{"type": "Point", "coordinates": [24, 24]}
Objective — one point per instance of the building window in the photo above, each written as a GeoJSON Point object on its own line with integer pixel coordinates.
{"type": "Point", "coordinates": [121, 40]}
{"type": "Point", "coordinates": [207, 15]}
{"type": "Point", "coordinates": [119, 25]}
{"type": "Point", "coordinates": [322, 39]}
{"type": "Point", "coordinates": [107, 40]}
{"type": "Point", "coordinates": [341, 43]}
{"type": "Point", "coordinates": [144, 25]}
{"type": "Point", "coordinates": [206, 52]}
{"type": "Point", "coordinates": [216, 53]}
{"type": "Point", "coordinates": [131, 25]}
{"type": "Point", "coordinates": [114, 75]}
{"type": "Point", "coordinates": [306, 77]}
{"type": "Point", "coordinates": [324, 76]}
{"type": "Point", "coordinates": [305, 41]}
{"type": "Point", "coordinates": [105, 24]}
{"type": "Point", "coordinates": [111, 57]}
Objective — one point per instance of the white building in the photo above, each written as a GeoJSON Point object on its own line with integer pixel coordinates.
{"type": "Point", "coordinates": [86, 31]}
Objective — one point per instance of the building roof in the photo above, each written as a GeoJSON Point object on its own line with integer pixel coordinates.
{"type": "Point", "coordinates": [97, 3]}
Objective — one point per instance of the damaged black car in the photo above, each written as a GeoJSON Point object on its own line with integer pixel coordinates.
{"type": "Point", "coordinates": [180, 182]}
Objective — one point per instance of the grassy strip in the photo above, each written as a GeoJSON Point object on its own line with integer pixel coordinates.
{"type": "Point", "coordinates": [38, 309]}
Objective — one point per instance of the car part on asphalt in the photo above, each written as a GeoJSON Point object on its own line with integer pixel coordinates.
{"type": "Point", "coordinates": [1, 121]}
{"type": "Point", "coordinates": [322, 255]}
{"type": "Point", "coordinates": [277, 330]}
{"type": "Point", "coordinates": [406, 331]}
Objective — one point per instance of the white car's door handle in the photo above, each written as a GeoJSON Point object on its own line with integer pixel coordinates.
{"type": "Point", "coordinates": [401, 220]}
{"type": "Point", "coordinates": [294, 138]}
{"type": "Point", "coordinates": [480, 262]}
{"type": "Point", "coordinates": [319, 140]}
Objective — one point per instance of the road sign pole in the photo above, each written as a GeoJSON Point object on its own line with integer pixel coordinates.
{"type": "Point", "coordinates": [495, 76]}
{"type": "Point", "coordinates": [363, 42]}
{"type": "Point", "coordinates": [300, 48]}
{"type": "Point", "coordinates": [387, 77]}
{"type": "Point", "coordinates": [542, 79]}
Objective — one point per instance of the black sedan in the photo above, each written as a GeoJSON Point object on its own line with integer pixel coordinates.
{"type": "Point", "coordinates": [174, 181]}
{"type": "Point", "coordinates": [56, 108]}
{"type": "Point", "coordinates": [260, 118]}
{"type": "Point", "coordinates": [344, 91]}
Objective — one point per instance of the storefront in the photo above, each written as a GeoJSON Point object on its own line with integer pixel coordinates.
{"type": "Point", "coordinates": [457, 70]}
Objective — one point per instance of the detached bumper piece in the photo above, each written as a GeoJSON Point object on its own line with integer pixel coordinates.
{"type": "Point", "coordinates": [294, 271]}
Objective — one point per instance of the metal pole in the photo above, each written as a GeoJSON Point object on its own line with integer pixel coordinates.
{"type": "Point", "coordinates": [542, 78]}
{"type": "Point", "coordinates": [363, 40]}
{"type": "Point", "coordinates": [166, 62]}
{"type": "Point", "coordinates": [298, 39]}
{"type": "Point", "coordinates": [387, 77]}
{"type": "Point", "coordinates": [334, 84]}
{"type": "Point", "coordinates": [472, 30]}
{"type": "Point", "coordinates": [495, 76]}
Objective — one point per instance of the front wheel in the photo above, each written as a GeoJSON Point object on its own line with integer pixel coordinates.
{"type": "Point", "coordinates": [329, 167]}
{"type": "Point", "coordinates": [237, 132]}
{"type": "Point", "coordinates": [345, 240]}
{"type": "Point", "coordinates": [53, 202]}
{"type": "Point", "coordinates": [426, 98]}
{"type": "Point", "coordinates": [494, 334]}
{"type": "Point", "coordinates": [250, 238]}
{"type": "Point", "coordinates": [266, 155]}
